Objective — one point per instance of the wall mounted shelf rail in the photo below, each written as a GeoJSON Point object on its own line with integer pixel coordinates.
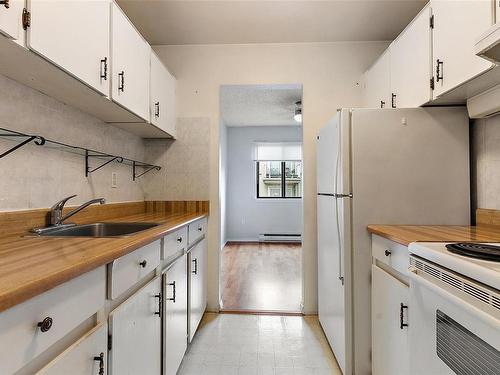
{"type": "Point", "coordinates": [139, 168]}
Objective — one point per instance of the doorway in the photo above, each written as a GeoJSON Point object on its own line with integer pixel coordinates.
{"type": "Point", "coordinates": [261, 187]}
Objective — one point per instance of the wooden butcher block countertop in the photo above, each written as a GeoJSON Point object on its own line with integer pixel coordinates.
{"type": "Point", "coordinates": [32, 265]}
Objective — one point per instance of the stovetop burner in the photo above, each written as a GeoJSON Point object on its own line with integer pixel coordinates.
{"type": "Point", "coordinates": [476, 250]}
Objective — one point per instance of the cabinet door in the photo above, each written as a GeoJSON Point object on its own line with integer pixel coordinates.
{"type": "Point", "coordinates": [85, 357]}
{"type": "Point", "coordinates": [135, 328]}
{"type": "Point", "coordinates": [162, 96]}
{"type": "Point", "coordinates": [175, 312]}
{"type": "Point", "coordinates": [377, 93]}
{"type": "Point", "coordinates": [390, 353]}
{"type": "Point", "coordinates": [457, 25]}
{"type": "Point", "coordinates": [74, 35]}
{"type": "Point", "coordinates": [411, 63]}
{"type": "Point", "coordinates": [11, 19]}
{"type": "Point", "coordinates": [198, 286]}
{"type": "Point", "coordinates": [131, 65]}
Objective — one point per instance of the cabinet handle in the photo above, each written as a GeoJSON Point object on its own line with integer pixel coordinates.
{"type": "Point", "coordinates": [121, 81]}
{"type": "Point", "coordinates": [387, 253]}
{"type": "Point", "coordinates": [100, 359]}
{"type": "Point", "coordinates": [45, 324]}
{"type": "Point", "coordinates": [159, 304]}
{"type": "Point", "coordinates": [195, 269]}
{"type": "Point", "coordinates": [402, 324]}
{"type": "Point", "coordinates": [157, 109]}
{"type": "Point", "coordinates": [172, 284]}
{"type": "Point", "coordinates": [200, 229]}
{"type": "Point", "coordinates": [393, 100]}
{"type": "Point", "coordinates": [439, 70]}
{"type": "Point", "coordinates": [143, 263]}
{"type": "Point", "coordinates": [6, 3]}
{"type": "Point", "coordinates": [179, 239]}
{"type": "Point", "coordinates": [382, 104]}
{"type": "Point", "coordinates": [104, 68]}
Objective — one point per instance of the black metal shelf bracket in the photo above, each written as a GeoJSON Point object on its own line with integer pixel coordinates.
{"type": "Point", "coordinates": [89, 170]}
{"type": "Point", "coordinates": [149, 167]}
{"type": "Point", "coordinates": [37, 140]}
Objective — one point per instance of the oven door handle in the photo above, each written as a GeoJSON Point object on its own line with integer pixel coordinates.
{"type": "Point", "coordinates": [461, 303]}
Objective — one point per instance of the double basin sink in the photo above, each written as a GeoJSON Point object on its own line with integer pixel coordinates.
{"type": "Point", "coordinates": [96, 230]}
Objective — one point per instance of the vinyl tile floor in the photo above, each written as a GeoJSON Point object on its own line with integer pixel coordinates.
{"type": "Point", "coordinates": [229, 344]}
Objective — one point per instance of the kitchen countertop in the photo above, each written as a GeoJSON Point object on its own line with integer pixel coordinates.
{"type": "Point", "coordinates": [406, 234]}
{"type": "Point", "coordinates": [31, 265]}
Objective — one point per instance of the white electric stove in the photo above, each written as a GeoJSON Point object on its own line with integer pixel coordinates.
{"type": "Point", "coordinates": [454, 309]}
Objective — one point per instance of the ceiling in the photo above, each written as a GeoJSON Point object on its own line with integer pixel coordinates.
{"type": "Point", "coordinates": [165, 22]}
{"type": "Point", "coordinates": [259, 105]}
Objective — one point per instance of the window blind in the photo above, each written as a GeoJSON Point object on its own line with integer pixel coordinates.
{"type": "Point", "coordinates": [282, 151]}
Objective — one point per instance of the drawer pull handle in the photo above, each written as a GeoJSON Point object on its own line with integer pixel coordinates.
{"type": "Point", "coordinates": [100, 359]}
{"type": "Point", "coordinates": [143, 263]}
{"type": "Point", "coordinates": [121, 81]}
{"type": "Point", "coordinates": [45, 324]}
{"type": "Point", "coordinates": [195, 268]}
{"type": "Point", "coordinates": [402, 324]}
{"type": "Point", "coordinates": [6, 3]}
{"type": "Point", "coordinates": [179, 239]}
{"type": "Point", "coordinates": [388, 253]}
{"type": "Point", "coordinates": [159, 304]}
{"type": "Point", "coordinates": [104, 68]}
{"type": "Point", "coordinates": [172, 284]}
{"type": "Point", "coordinates": [200, 229]}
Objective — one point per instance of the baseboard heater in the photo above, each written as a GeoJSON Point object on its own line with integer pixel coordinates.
{"type": "Point", "coordinates": [280, 237]}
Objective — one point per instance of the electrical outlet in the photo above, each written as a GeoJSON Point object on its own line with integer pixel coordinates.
{"type": "Point", "coordinates": [114, 178]}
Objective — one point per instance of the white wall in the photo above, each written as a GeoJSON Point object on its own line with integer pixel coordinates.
{"type": "Point", "coordinates": [248, 216]}
{"type": "Point", "coordinates": [329, 73]}
{"type": "Point", "coordinates": [223, 183]}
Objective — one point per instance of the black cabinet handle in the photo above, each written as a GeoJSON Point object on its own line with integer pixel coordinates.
{"type": "Point", "coordinates": [439, 70]}
{"type": "Point", "coordinates": [195, 268]}
{"type": "Point", "coordinates": [393, 100]}
{"type": "Point", "coordinates": [100, 359]}
{"type": "Point", "coordinates": [104, 68]}
{"type": "Point", "coordinates": [172, 284]}
{"type": "Point", "coordinates": [382, 104]}
{"type": "Point", "coordinates": [143, 263]}
{"type": "Point", "coordinates": [157, 109]}
{"type": "Point", "coordinates": [200, 229]}
{"type": "Point", "coordinates": [121, 81]}
{"type": "Point", "coordinates": [402, 324]}
{"type": "Point", "coordinates": [179, 239]}
{"type": "Point", "coordinates": [45, 324]}
{"type": "Point", "coordinates": [387, 253]}
{"type": "Point", "coordinates": [6, 3]}
{"type": "Point", "coordinates": [159, 304]}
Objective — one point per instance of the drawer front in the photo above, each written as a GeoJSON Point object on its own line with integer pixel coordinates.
{"type": "Point", "coordinates": [197, 230]}
{"type": "Point", "coordinates": [175, 242]}
{"type": "Point", "coordinates": [67, 305]}
{"type": "Point", "coordinates": [391, 253]}
{"type": "Point", "coordinates": [128, 270]}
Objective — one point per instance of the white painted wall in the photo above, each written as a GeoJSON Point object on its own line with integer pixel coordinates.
{"type": "Point", "coordinates": [248, 216]}
{"type": "Point", "coordinates": [329, 73]}
{"type": "Point", "coordinates": [223, 183]}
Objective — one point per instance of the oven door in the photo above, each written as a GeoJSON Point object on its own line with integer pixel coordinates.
{"type": "Point", "coordinates": [452, 329]}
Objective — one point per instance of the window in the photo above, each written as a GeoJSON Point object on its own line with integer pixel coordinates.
{"type": "Point", "coordinates": [279, 170]}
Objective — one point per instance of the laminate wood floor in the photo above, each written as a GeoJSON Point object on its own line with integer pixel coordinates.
{"type": "Point", "coordinates": [261, 277]}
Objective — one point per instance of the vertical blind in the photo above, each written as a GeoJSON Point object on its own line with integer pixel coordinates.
{"type": "Point", "coordinates": [282, 151]}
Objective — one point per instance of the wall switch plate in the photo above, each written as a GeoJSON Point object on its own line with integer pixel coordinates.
{"type": "Point", "coordinates": [114, 178]}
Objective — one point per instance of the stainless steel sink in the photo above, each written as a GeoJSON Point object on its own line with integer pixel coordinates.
{"type": "Point", "coordinates": [99, 230]}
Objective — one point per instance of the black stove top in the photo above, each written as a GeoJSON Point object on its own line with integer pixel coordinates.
{"type": "Point", "coordinates": [476, 250]}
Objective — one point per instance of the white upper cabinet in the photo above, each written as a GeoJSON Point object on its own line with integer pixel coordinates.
{"type": "Point", "coordinates": [377, 92]}
{"type": "Point", "coordinates": [74, 35]}
{"type": "Point", "coordinates": [457, 25]}
{"type": "Point", "coordinates": [162, 96]}
{"type": "Point", "coordinates": [411, 63]}
{"type": "Point", "coordinates": [11, 12]}
{"type": "Point", "coordinates": [130, 65]}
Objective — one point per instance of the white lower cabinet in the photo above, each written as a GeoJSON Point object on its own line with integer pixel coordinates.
{"type": "Point", "coordinates": [390, 353]}
{"type": "Point", "coordinates": [175, 315]}
{"type": "Point", "coordinates": [10, 19]}
{"type": "Point", "coordinates": [87, 356]}
{"type": "Point", "coordinates": [135, 329]}
{"type": "Point", "coordinates": [197, 285]}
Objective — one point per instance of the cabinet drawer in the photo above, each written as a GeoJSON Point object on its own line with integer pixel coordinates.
{"type": "Point", "coordinates": [197, 230]}
{"type": "Point", "coordinates": [129, 269]}
{"type": "Point", "coordinates": [67, 305]}
{"type": "Point", "coordinates": [174, 242]}
{"type": "Point", "coordinates": [391, 253]}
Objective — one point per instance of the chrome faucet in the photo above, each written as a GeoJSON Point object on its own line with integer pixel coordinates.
{"type": "Point", "coordinates": [56, 214]}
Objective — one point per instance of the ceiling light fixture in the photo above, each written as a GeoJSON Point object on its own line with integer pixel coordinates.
{"type": "Point", "coordinates": [298, 111]}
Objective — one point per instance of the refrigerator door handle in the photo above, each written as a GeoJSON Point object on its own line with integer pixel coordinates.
{"type": "Point", "coordinates": [328, 194]}
{"type": "Point", "coordinates": [341, 278]}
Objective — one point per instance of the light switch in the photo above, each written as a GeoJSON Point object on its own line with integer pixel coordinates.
{"type": "Point", "coordinates": [114, 178]}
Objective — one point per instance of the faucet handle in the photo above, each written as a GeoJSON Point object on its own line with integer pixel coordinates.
{"type": "Point", "coordinates": [59, 205]}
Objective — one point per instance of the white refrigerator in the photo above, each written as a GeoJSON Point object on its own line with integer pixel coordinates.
{"type": "Point", "coordinates": [380, 166]}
